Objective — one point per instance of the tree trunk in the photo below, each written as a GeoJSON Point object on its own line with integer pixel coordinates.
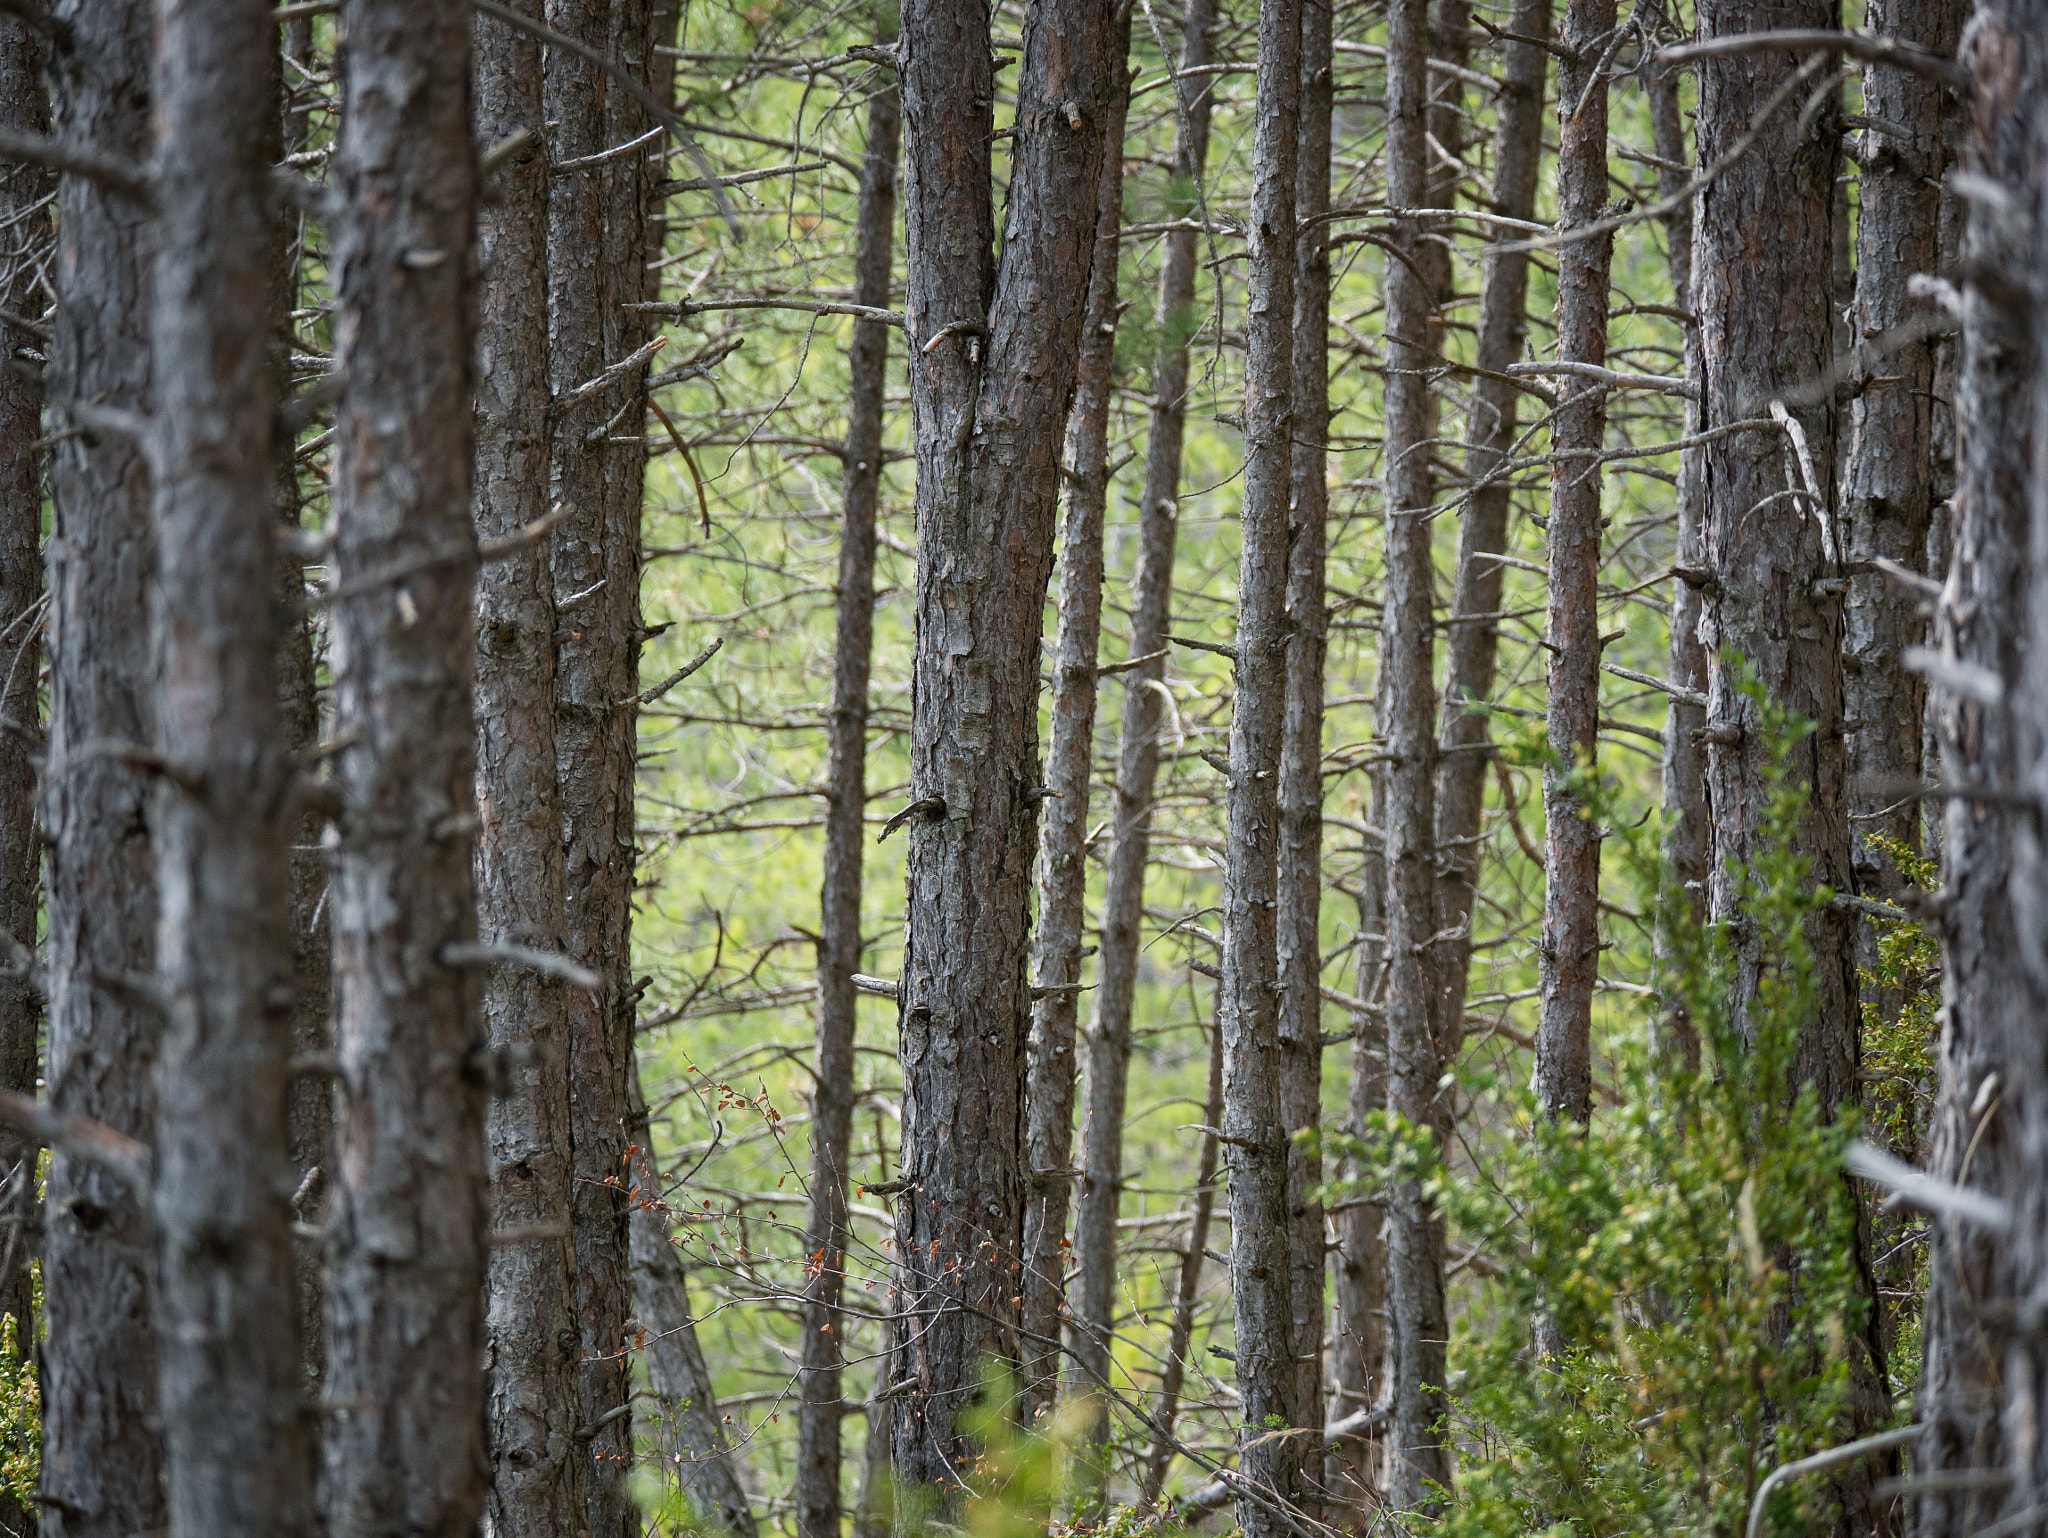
{"type": "Point", "coordinates": [597, 253]}
{"type": "Point", "coordinates": [994, 350]}
{"type": "Point", "coordinates": [689, 1436]}
{"type": "Point", "coordinates": [827, 1237]}
{"type": "Point", "coordinates": [1254, 1136]}
{"type": "Point", "coordinates": [534, 1404]}
{"type": "Point", "coordinates": [1762, 272]}
{"type": "Point", "coordinates": [23, 109]}
{"type": "Point", "coordinates": [1123, 897]}
{"type": "Point", "coordinates": [405, 1303]}
{"type": "Point", "coordinates": [1973, 1381]}
{"type": "Point", "coordinates": [1470, 645]}
{"type": "Point", "coordinates": [1063, 857]}
{"type": "Point", "coordinates": [1569, 956]}
{"type": "Point", "coordinates": [1416, 1056]}
{"type": "Point", "coordinates": [102, 1458]}
{"type": "Point", "coordinates": [1298, 927]}
{"type": "Point", "coordinates": [1152, 1478]}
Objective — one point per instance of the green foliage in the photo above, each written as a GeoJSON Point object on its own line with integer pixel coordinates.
{"type": "Point", "coordinates": [1690, 1254]}
{"type": "Point", "coordinates": [21, 1403]}
{"type": "Point", "coordinates": [1898, 1052]}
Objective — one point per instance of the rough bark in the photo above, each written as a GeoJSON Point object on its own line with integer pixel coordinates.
{"type": "Point", "coordinates": [1181, 1333]}
{"type": "Point", "coordinates": [23, 109]}
{"type": "Point", "coordinates": [1056, 946]}
{"type": "Point", "coordinates": [1123, 898]}
{"type": "Point", "coordinates": [236, 1452]}
{"type": "Point", "coordinates": [1569, 955]}
{"type": "Point", "coordinates": [1416, 1049]}
{"type": "Point", "coordinates": [1762, 270]}
{"type": "Point", "coordinates": [1975, 1386]}
{"type": "Point", "coordinates": [1254, 1136]}
{"type": "Point", "coordinates": [534, 1399]}
{"type": "Point", "coordinates": [1298, 929]}
{"type": "Point", "coordinates": [597, 254]}
{"type": "Point", "coordinates": [405, 1447]}
{"type": "Point", "coordinates": [994, 351]}
{"type": "Point", "coordinates": [101, 1440]}
{"type": "Point", "coordinates": [1471, 645]}
{"type": "Point", "coordinates": [688, 1437]}
{"type": "Point", "coordinates": [827, 1236]}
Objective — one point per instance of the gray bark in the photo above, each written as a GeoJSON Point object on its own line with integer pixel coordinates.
{"type": "Point", "coordinates": [24, 109]}
{"type": "Point", "coordinates": [597, 254]}
{"type": "Point", "coordinates": [988, 402]}
{"type": "Point", "coordinates": [1063, 852]}
{"type": "Point", "coordinates": [534, 1399]}
{"type": "Point", "coordinates": [1255, 1137]}
{"type": "Point", "coordinates": [1100, 1197]}
{"type": "Point", "coordinates": [1416, 1047]}
{"type": "Point", "coordinates": [1471, 647]}
{"type": "Point", "coordinates": [1300, 791]}
{"type": "Point", "coordinates": [405, 1447]}
{"type": "Point", "coordinates": [827, 1236]}
{"type": "Point", "coordinates": [102, 1458]}
{"type": "Point", "coordinates": [1762, 270]}
{"type": "Point", "coordinates": [1569, 955]}
{"type": "Point", "coordinates": [689, 1439]}
{"type": "Point", "coordinates": [1992, 982]}
{"type": "Point", "coordinates": [236, 1451]}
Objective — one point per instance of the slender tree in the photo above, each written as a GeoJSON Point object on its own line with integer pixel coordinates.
{"type": "Point", "coordinates": [236, 1450]}
{"type": "Point", "coordinates": [102, 1449]}
{"type": "Point", "coordinates": [405, 1305]}
{"type": "Point", "coordinates": [1254, 1136]}
{"type": "Point", "coordinates": [828, 1238]}
{"type": "Point", "coordinates": [1416, 1055]}
{"type": "Point", "coordinates": [534, 1404]}
{"type": "Point", "coordinates": [994, 347]}
{"type": "Point", "coordinates": [1063, 852]}
{"type": "Point", "coordinates": [1990, 990]}
{"type": "Point", "coordinates": [1569, 955]}
{"type": "Point", "coordinates": [1100, 1198]}
{"type": "Point", "coordinates": [1298, 919]}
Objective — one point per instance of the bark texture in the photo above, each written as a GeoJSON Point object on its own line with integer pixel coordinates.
{"type": "Point", "coordinates": [1975, 1386]}
{"type": "Point", "coordinates": [597, 255]}
{"type": "Point", "coordinates": [1298, 929]}
{"type": "Point", "coordinates": [839, 936]}
{"type": "Point", "coordinates": [1569, 955]}
{"type": "Point", "coordinates": [1056, 946]}
{"type": "Point", "coordinates": [235, 1437]}
{"type": "Point", "coordinates": [534, 1403]}
{"type": "Point", "coordinates": [406, 1261]}
{"type": "Point", "coordinates": [1416, 1048]}
{"type": "Point", "coordinates": [994, 351]}
{"type": "Point", "coordinates": [1255, 1137]}
{"type": "Point", "coordinates": [102, 1459]}
{"type": "Point", "coordinates": [1123, 897]}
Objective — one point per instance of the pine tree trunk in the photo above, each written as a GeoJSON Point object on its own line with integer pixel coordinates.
{"type": "Point", "coordinates": [994, 352]}
{"type": "Point", "coordinates": [1298, 929]}
{"type": "Point", "coordinates": [236, 1455]}
{"type": "Point", "coordinates": [1063, 855]}
{"type": "Point", "coordinates": [1472, 645]}
{"type": "Point", "coordinates": [534, 1404]}
{"type": "Point", "coordinates": [827, 1238]}
{"type": "Point", "coordinates": [405, 1303]}
{"type": "Point", "coordinates": [597, 253]}
{"type": "Point", "coordinates": [102, 1446]}
{"type": "Point", "coordinates": [1416, 1048]}
{"type": "Point", "coordinates": [1100, 1198]}
{"type": "Point", "coordinates": [1569, 956]}
{"type": "Point", "coordinates": [1973, 1381]}
{"type": "Point", "coordinates": [1254, 1136]}
{"type": "Point", "coordinates": [1762, 273]}
{"type": "Point", "coordinates": [23, 109]}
